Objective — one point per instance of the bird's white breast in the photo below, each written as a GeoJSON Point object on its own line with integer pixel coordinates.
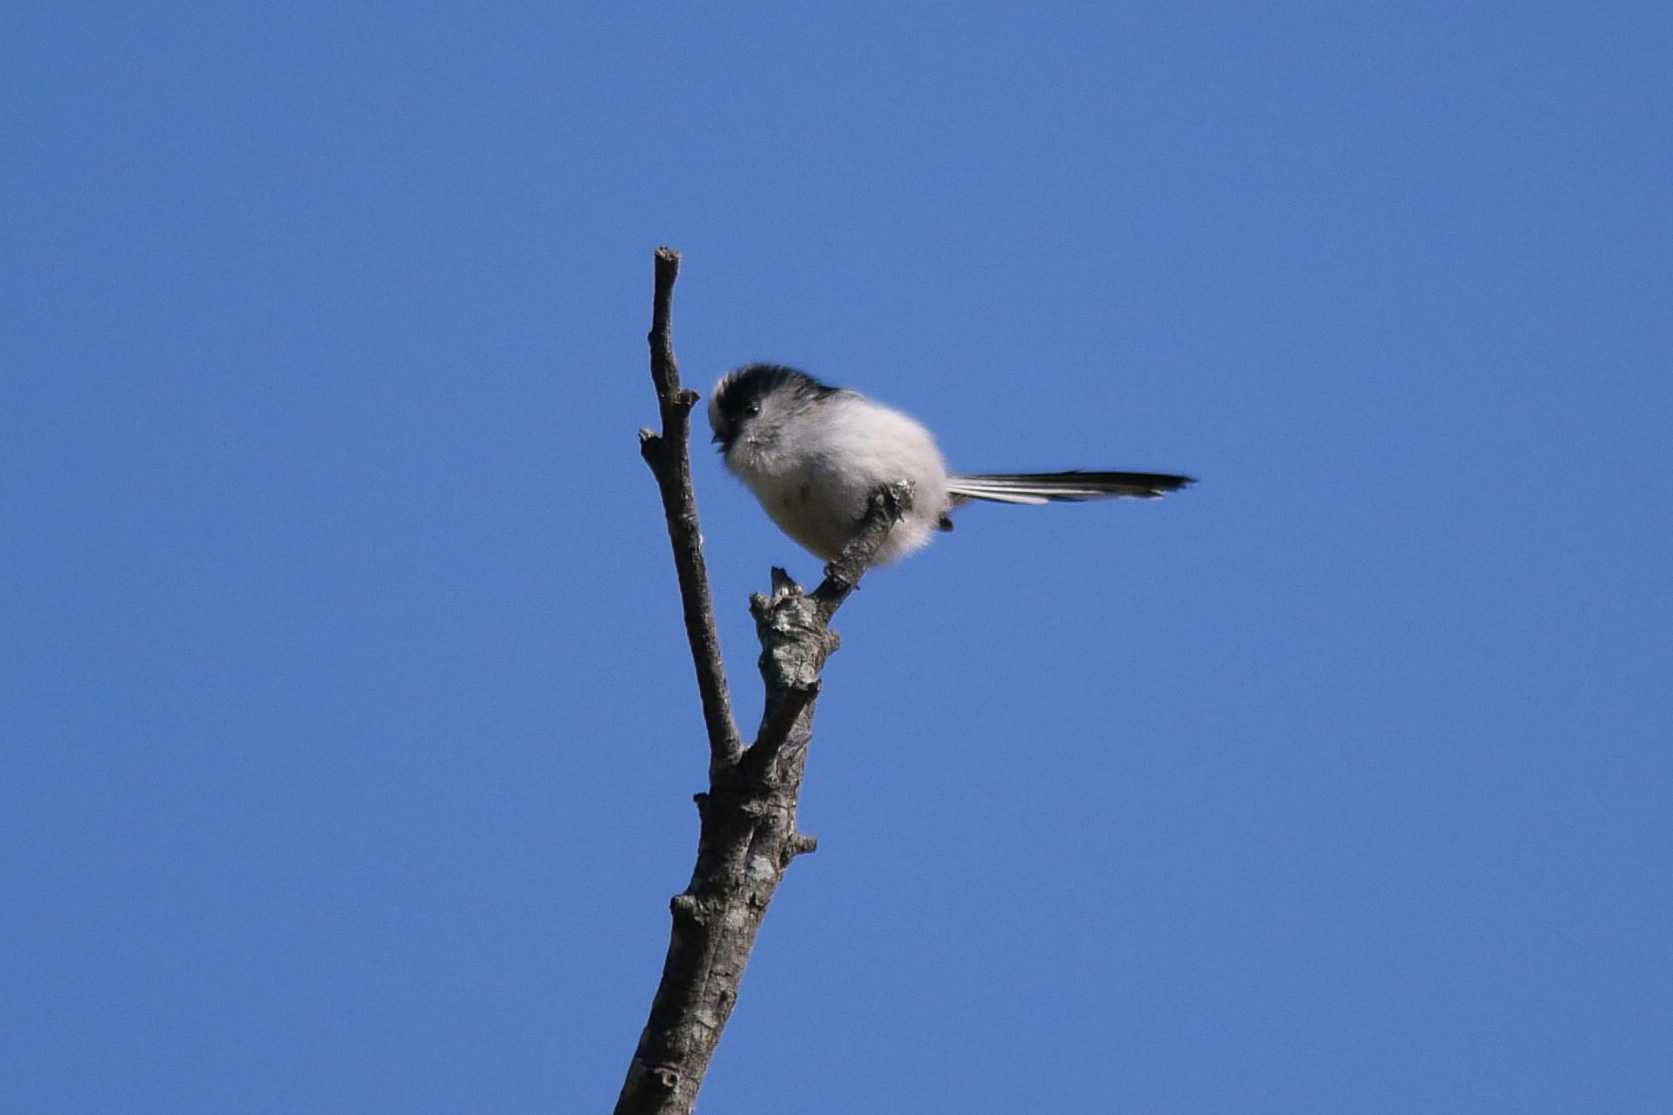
{"type": "Point", "coordinates": [817, 490]}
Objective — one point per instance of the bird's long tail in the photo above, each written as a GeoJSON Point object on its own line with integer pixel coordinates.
{"type": "Point", "coordinates": [1051, 487]}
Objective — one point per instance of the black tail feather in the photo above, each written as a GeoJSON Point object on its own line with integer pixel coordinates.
{"type": "Point", "coordinates": [1074, 485]}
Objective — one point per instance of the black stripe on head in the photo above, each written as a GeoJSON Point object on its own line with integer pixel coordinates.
{"type": "Point", "coordinates": [738, 396]}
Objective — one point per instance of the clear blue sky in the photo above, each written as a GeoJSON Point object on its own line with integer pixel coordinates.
{"type": "Point", "coordinates": [349, 732]}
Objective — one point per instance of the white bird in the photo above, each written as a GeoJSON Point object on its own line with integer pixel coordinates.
{"type": "Point", "coordinates": [814, 454]}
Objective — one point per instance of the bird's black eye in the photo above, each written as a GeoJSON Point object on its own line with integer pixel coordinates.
{"type": "Point", "coordinates": [753, 409]}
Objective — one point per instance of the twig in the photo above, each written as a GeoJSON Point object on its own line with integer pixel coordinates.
{"type": "Point", "coordinates": [669, 456]}
{"type": "Point", "coordinates": [886, 507]}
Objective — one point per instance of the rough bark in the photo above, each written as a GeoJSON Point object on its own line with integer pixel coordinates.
{"type": "Point", "coordinates": [747, 835]}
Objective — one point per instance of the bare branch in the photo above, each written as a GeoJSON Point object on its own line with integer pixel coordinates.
{"type": "Point", "coordinates": [669, 456]}
{"type": "Point", "coordinates": [778, 719]}
{"type": "Point", "coordinates": [886, 507]}
{"type": "Point", "coordinates": [794, 646]}
{"type": "Point", "coordinates": [748, 834]}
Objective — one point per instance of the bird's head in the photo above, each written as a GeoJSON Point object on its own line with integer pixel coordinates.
{"type": "Point", "coordinates": [750, 400]}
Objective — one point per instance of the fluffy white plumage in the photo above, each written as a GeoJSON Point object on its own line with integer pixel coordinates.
{"type": "Point", "coordinates": [814, 454]}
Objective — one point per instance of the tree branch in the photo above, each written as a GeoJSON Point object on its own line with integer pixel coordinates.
{"type": "Point", "coordinates": [669, 455]}
{"type": "Point", "coordinates": [747, 837]}
{"type": "Point", "coordinates": [886, 507]}
{"type": "Point", "coordinates": [788, 636]}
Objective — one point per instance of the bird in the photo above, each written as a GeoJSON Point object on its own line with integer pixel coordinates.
{"type": "Point", "coordinates": [814, 454]}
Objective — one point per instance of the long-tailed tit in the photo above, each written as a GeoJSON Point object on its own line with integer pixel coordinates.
{"type": "Point", "coordinates": [814, 454]}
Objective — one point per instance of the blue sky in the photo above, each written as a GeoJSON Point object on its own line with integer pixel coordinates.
{"type": "Point", "coordinates": [349, 733]}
